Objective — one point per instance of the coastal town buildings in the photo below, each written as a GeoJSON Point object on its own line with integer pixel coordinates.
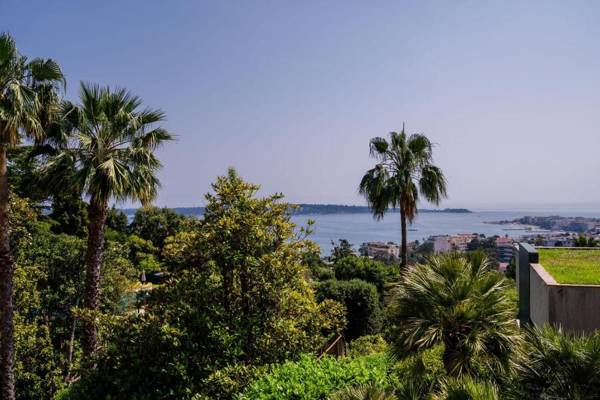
{"type": "Point", "coordinates": [389, 250]}
{"type": "Point", "coordinates": [505, 247]}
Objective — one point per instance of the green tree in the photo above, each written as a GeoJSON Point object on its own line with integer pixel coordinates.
{"type": "Point", "coordinates": [363, 307]}
{"type": "Point", "coordinates": [156, 224]}
{"type": "Point", "coordinates": [113, 158]}
{"type": "Point", "coordinates": [404, 171]}
{"type": "Point", "coordinates": [584, 241]}
{"type": "Point", "coordinates": [241, 299]}
{"type": "Point", "coordinates": [366, 269]}
{"type": "Point", "coordinates": [460, 303]}
{"type": "Point", "coordinates": [343, 249]}
{"type": "Point", "coordinates": [117, 220]}
{"type": "Point", "coordinates": [21, 83]}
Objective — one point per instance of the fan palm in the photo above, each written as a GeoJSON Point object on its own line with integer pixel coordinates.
{"type": "Point", "coordinates": [460, 303]}
{"type": "Point", "coordinates": [558, 365]}
{"type": "Point", "coordinates": [364, 392]}
{"type": "Point", "coordinates": [403, 172]}
{"type": "Point", "coordinates": [111, 151]}
{"type": "Point", "coordinates": [466, 388]}
{"type": "Point", "coordinates": [26, 86]}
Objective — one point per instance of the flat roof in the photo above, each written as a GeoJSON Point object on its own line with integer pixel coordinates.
{"type": "Point", "coordinates": [572, 265]}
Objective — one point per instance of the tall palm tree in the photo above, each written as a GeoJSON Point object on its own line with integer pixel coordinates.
{"type": "Point", "coordinates": [25, 87]}
{"type": "Point", "coordinates": [460, 303]}
{"type": "Point", "coordinates": [111, 149]}
{"type": "Point", "coordinates": [404, 170]}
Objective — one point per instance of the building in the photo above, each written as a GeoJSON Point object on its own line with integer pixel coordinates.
{"type": "Point", "coordinates": [447, 243]}
{"type": "Point", "coordinates": [441, 243]}
{"type": "Point", "coordinates": [389, 250]}
{"type": "Point", "coordinates": [505, 246]}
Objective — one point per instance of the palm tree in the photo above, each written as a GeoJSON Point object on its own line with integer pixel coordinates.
{"type": "Point", "coordinates": [404, 170]}
{"type": "Point", "coordinates": [111, 151]}
{"type": "Point", "coordinates": [22, 83]}
{"type": "Point", "coordinates": [466, 388]}
{"type": "Point", "coordinates": [460, 303]}
{"type": "Point", "coordinates": [558, 365]}
{"type": "Point", "coordinates": [370, 391]}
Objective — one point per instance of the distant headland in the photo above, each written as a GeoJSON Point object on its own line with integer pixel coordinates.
{"type": "Point", "coordinates": [308, 209]}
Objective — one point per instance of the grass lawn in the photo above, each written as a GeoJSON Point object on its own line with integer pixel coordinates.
{"type": "Point", "coordinates": [571, 265]}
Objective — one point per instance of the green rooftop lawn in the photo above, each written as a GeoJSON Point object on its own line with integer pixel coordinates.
{"type": "Point", "coordinates": [572, 265]}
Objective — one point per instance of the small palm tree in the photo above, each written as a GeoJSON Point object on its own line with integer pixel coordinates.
{"type": "Point", "coordinates": [460, 303]}
{"type": "Point", "coordinates": [25, 88]}
{"type": "Point", "coordinates": [466, 388]}
{"type": "Point", "coordinates": [404, 170]}
{"type": "Point", "coordinates": [111, 151]}
{"type": "Point", "coordinates": [558, 365]}
{"type": "Point", "coordinates": [364, 392]}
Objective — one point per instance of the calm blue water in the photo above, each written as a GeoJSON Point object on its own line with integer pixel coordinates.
{"type": "Point", "coordinates": [359, 228]}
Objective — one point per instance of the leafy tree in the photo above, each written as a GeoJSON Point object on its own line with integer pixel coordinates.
{"type": "Point", "coordinates": [113, 158]}
{"type": "Point", "coordinates": [156, 224]}
{"type": "Point", "coordinates": [70, 213]}
{"type": "Point", "coordinates": [366, 269]}
{"type": "Point", "coordinates": [240, 297]}
{"type": "Point", "coordinates": [117, 220]}
{"type": "Point", "coordinates": [22, 82]}
{"type": "Point", "coordinates": [343, 249]}
{"type": "Point", "coordinates": [583, 241]}
{"type": "Point", "coordinates": [555, 364]}
{"type": "Point", "coordinates": [461, 304]}
{"type": "Point", "coordinates": [362, 303]}
{"type": "Point", "coordinates": [403, 172]}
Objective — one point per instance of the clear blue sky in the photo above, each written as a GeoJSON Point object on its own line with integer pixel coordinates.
{"type": "Point", "coordinates": [290, 93]}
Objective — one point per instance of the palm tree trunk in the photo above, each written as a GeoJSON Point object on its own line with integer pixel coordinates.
{"type": "Point", "coordinates": [404, 247]}
{"type": "Point", "coordinates": [93, 259]}
{"type": "Point", "coordinates": [7, 376]}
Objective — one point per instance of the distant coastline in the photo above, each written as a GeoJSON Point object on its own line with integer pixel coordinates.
{"type": "Point", "coordinates": [311, 209]}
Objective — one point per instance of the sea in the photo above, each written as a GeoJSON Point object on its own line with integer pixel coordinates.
{"type": "Point", "coordinates": [362, 227]}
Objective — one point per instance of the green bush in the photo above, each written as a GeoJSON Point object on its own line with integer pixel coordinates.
{"type": "Point", "coordinates": [366, 269]}
{"type": "Point", "coordinates": [367, 345]}
{"type": "Point", "coordinates": [312, 379]}
{"type": "Point", "coordinates": [364, 313]}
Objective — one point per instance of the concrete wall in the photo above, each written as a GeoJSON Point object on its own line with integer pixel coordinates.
{"type": "Point", "coordinates": [574, 307]}
{"type": "Point", "coordinates": [539, 298]}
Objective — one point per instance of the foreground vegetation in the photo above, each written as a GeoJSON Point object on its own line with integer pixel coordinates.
{"type": "Point", "coordinates": [236, 304]}
{"type": "Point", "coordinates": [572, 266]}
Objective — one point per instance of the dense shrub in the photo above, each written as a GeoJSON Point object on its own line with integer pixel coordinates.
{"type": "Point", "coordinates": [367, 345]}
{"type": "Point", "coordinates": [366, 269]}
{"type": "Point", "coordinates": [364, 313]}
{"type": "Point", "coordinates": [312, 379]}
{"type": "Point", "coordinates": [156, 224]}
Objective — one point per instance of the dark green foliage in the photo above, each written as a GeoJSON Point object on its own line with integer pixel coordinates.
{"type": "Point", "coordinates": [366, 269]}
{"type": "Point", "coordinates": [364, 313]}
{"type": "Point", "coordinates": [343, 249]}
{"type": "Point", "coordinates": [558, 365]}
{"type": "Point", "coordinates": [371, 391]}
{"type": "Point", "coordinates": [70, 213]}
{"type": "Point", "coordinates": [117, 220]}
{"type": "Point", "coordinates": [311, 379]}
{"type": "Point", "coordinates": [23, 175]}
{"type": "Point", "coordinates": [156, 224]}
